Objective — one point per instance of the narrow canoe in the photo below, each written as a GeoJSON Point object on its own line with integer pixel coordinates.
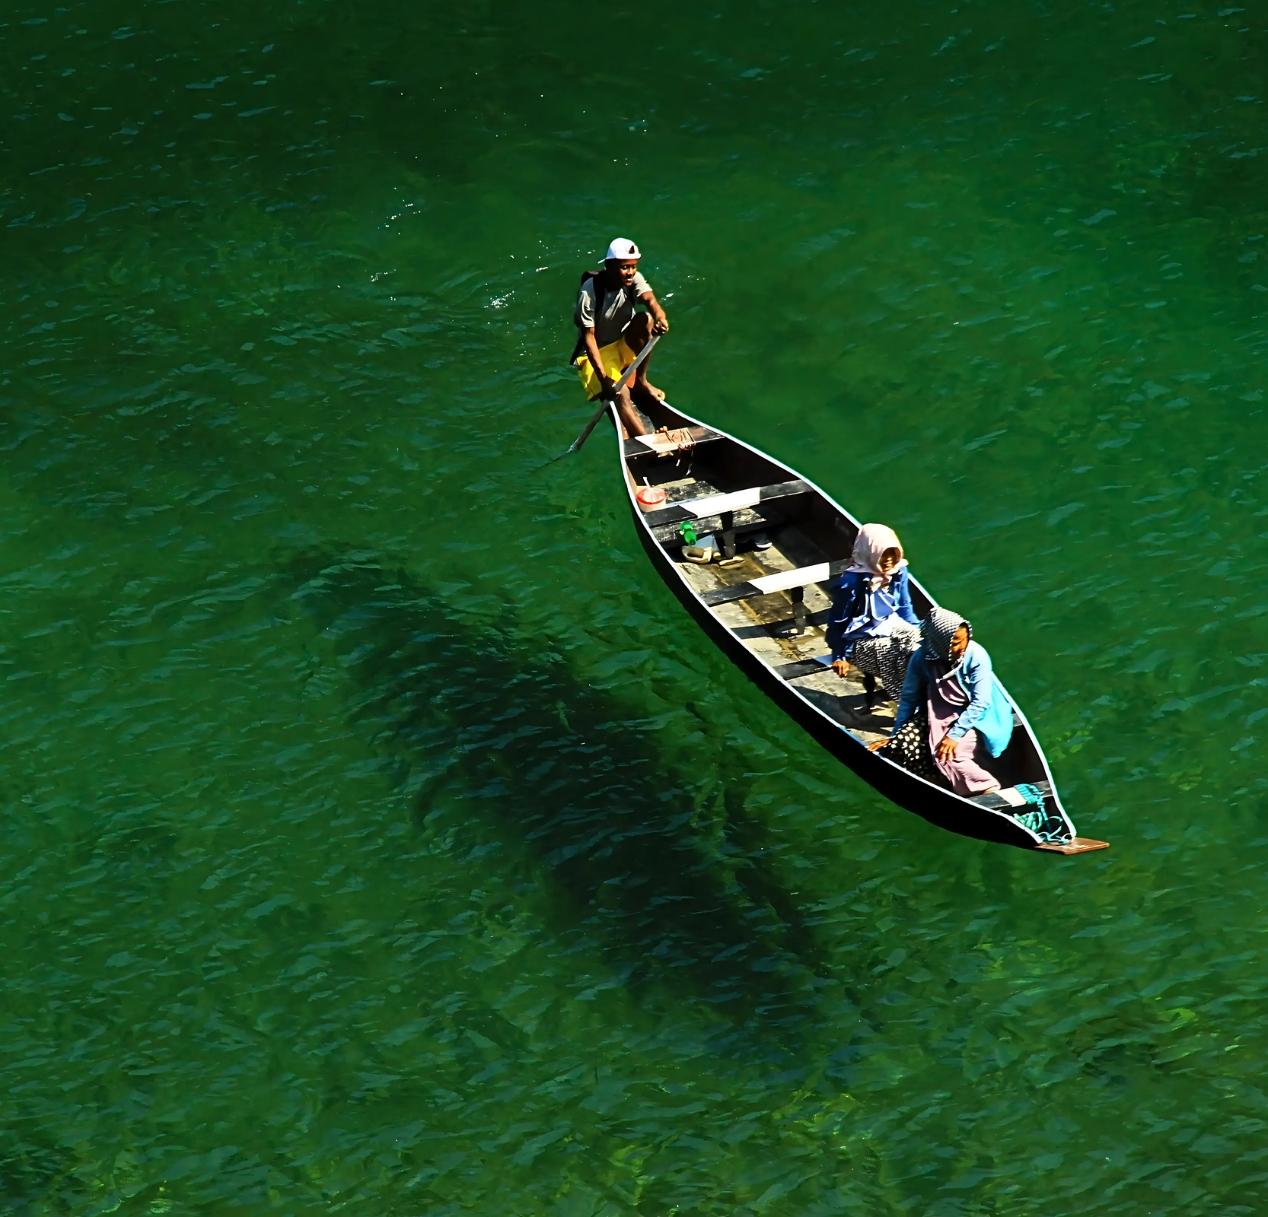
{"type": "Point", "coordinates": [765, 607]}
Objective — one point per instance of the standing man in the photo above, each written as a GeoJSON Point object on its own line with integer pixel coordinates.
{"type": "Point", "coordinates": [612, 333]}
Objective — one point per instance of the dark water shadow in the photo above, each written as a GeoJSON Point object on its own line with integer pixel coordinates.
{"type": "Point", "coordinates": [669, 881]}
{"type": "Point", "coordinates": [31, 1165]}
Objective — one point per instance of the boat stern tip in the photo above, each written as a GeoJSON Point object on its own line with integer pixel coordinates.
{"type": "Point", "coordinates": [1076, 845]}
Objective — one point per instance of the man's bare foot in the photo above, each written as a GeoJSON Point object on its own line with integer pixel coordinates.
{"type": "Point", "coordinates": [644, 388]}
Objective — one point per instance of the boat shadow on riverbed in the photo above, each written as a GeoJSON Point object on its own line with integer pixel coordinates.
{"type": "Point", "coordinates": [670, 882]}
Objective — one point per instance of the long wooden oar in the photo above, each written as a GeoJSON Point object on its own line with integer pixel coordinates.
{"type": "Point", "coordinates": [616, 389]}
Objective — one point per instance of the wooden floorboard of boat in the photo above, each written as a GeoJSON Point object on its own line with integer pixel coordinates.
{"type": "Point", "coordinates": [764, 625]}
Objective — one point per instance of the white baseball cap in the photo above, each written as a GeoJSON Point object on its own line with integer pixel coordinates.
{"type": "Point", "coordinates": [622, 250]}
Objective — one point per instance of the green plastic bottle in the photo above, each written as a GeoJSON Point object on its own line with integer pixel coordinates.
{"type": "Point", "coordinates": [688, 532]}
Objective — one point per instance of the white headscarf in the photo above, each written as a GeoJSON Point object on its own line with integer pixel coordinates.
{"type": "Point", "coordinates": [873, 540]}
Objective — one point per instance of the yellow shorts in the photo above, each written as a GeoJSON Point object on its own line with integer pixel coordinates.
{"type": "Point", "coordinates": [617, 356]}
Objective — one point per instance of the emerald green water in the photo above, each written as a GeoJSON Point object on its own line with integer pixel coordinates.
{"type": "Point", "coordinates": [381, 837]}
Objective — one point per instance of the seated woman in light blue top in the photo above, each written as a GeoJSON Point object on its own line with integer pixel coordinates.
{"type": "Point", "coordinates": [969, 716]}
{"type": "Point", "coordinates": [873, 598]}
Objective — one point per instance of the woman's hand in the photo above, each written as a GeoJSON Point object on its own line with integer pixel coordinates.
{"type": "Point", "coordinates": [878, 745]}
{"type": "Point", "coordinates": [946, 748]}
{"type": "Point", "coordinates": [840, 667]}
{"type": "Point", "coordinates": [660, 323]}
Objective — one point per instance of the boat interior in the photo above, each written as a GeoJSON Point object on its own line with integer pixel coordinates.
{"type": "Point", "coordinates": [780, 542]}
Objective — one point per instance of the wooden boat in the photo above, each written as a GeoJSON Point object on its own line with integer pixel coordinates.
{"type": "Point", "coordinates": [782, 540]}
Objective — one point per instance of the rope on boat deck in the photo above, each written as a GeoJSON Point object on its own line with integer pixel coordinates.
{"type": "Point", "coordinates": [1050, 829]}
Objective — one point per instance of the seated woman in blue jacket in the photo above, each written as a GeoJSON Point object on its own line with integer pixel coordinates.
{"type": "Point", "coordinates": [950, 677]}
{"type": "Point", "coordinates": [871, 600]}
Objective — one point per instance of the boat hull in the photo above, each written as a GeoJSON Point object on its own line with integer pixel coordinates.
{"type": "Point", "coordinates": [936, 804]}
{"type": "Point", "coordinates": [896, 784]}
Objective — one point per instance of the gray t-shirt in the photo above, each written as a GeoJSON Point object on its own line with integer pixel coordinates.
{"type": "Point", "coordinates": [618, 309]}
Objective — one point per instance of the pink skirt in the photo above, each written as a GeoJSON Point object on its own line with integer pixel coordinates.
{"type": "Point", "coordinates": [963, 771]}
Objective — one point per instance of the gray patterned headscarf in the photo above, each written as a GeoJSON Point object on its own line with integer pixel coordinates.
{"type": "Point", "coordinates": [937, 630]}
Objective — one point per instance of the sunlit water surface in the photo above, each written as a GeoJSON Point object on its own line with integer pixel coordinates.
{"type": "Point", "coordinates": [381, 837]}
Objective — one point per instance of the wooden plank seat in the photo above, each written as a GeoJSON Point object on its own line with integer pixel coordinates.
{"type": "Point", "coordinates": [803, 667]}
{"type": "Point", "coordinates": [660, 444]}
{"type": "Point", "coordinates": [670, 534]}
{"type": "Point", "coordinates": [717, 504]}
{"type": "Point", "coordinates": [784, 580]}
